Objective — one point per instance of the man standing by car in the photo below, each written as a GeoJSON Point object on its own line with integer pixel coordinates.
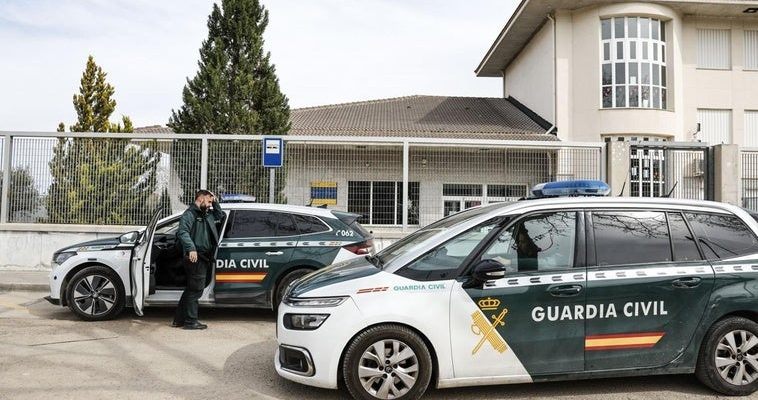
{"type": "Point", "coordinates": [198, 236]}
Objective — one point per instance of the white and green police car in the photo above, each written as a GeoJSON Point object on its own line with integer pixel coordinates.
{"type": "Point", "coordinates": [536, 290]}
{"type": "Point", "coordinates": [262, 249]}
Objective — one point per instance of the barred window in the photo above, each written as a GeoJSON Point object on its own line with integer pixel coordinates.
{"type": "Point", "coordinates": [633, 62]}
{"type": "Point", "coordinates": [381, 202]}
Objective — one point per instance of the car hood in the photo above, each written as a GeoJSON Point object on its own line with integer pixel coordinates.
{"type": "Point", "coordinates": [344, 271]}
{"type": "Point", "coordinates": [94, 245]}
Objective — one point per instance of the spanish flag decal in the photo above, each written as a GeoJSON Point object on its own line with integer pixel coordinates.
{"type": "Point", "coordinates": [643, 340]}
{"type": "Point", "coordinates": [240, 277]}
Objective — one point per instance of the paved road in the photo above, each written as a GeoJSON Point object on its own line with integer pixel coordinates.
{"type": "Point", "coordinates": [45, 353]}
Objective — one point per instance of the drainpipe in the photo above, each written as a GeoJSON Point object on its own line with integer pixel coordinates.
{"type": "Point", "coordinates": [555, 77]}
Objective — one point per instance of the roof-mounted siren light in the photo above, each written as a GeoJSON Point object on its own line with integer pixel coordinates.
{"type": "Point", "coordinates": [237, 198]}
{"type": "Point", "coordinates": [583, 187]}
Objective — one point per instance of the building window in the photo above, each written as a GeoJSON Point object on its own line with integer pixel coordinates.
{"type": "Point", "coordinates": [633, 62]}
{"type": "Point", "coordinates": [458, 197]}
{"type": "Point", "coordinates": [715, 126]}
{"type": "Point", "coordinates": [381, 203]}
{"type": "Point", "coordinates": [751, 129]}
{"type": "Point", "coordinates": [751, 50]}
{"type": "Point", "coordinates": [714, 49]}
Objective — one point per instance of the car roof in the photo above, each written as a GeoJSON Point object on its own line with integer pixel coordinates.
{"type": "Point", "coordinates": [319, 212]}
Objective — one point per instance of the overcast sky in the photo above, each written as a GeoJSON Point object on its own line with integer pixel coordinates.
{"type": "Point", "coordinates": [325, 51]}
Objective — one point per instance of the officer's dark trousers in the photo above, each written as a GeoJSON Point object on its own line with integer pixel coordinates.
{"type": "Point", "coordinates": [186, 311]}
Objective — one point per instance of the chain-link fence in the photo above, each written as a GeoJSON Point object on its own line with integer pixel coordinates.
{"type": "Point", "coordinates": [117, 179]}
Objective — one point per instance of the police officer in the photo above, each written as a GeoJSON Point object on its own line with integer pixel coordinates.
{"type": "Point", "coordinates": [199, 236]}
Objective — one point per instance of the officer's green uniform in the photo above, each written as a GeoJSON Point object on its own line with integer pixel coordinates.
{"type": "Point", "coordinates": [197, 232]}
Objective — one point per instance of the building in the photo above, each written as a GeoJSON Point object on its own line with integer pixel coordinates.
{"type": "Point", "coordinates": [617, 70]}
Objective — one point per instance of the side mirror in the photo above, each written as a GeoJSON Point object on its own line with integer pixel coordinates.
{"type": "Point", "coordinates": [129, 237]}
{"type": "Point", "coordinates": [487, 270]}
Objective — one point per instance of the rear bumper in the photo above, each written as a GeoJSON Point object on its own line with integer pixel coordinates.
{"type": "Point", "coordinates": [53, 301]}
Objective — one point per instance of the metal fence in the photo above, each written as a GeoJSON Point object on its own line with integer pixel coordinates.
{"type": "Point", "coordinates": [116, 179]}
{"type": "Point", "coordinates": [749, 181]}
{"type": "Point", "coordinates": [679, 169]}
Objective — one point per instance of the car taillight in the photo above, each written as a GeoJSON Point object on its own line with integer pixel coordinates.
{"type": "Point", "coordinates": [362, 248]}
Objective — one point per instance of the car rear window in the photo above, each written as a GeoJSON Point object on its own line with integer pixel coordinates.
{"type": "Point", "coordinates": [309, 224]}
{"type": "Point", "coordinates": [722, 236]}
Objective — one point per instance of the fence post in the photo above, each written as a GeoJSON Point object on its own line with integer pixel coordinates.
{"type": "Point", "coordinates": [726, 167]}
{"type": "Point", "coordinates": [617, 167]}
{"type": "Point", "coordinates": [204, 164]}
{"type": "Point", "coordinates": [5, 196]}
{"type": "Point", "coordinates": [406, 197]}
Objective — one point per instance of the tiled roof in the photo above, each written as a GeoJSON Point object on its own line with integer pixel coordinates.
{"type": "Point", "coordinates": [420, 116]}
{"type": "Point", "coordinates": [413, 116]}
{"type": "Point", "coordinates": [154, 129]}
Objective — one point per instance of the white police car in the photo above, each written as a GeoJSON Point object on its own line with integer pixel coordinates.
{"type": "Point", "coordinates": [262, 249]}
{"type": "Point", "coordinates": [537, 290]}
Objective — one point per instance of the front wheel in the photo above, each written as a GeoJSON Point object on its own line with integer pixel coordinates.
{"type": "Point", "coordinates": [387, 362]}
{"type": "Point", "coordinates": [728, 359]}
{"type": "Point", "coordinates": [95, 294]}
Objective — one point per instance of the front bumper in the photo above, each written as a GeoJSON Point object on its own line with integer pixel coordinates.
{"type": "Point", "coordinates": [321, 348]}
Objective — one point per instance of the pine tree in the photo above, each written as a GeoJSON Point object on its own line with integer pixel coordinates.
{"type": "Point", "coordinates": [100, 181]}
{"type": "Point", "coordinates": [235, 91]}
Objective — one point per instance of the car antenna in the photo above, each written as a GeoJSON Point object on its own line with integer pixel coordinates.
{"type": "Point", "coordinates": [621, 193]}
{"type": "Point", "coordinates": [671, 191]}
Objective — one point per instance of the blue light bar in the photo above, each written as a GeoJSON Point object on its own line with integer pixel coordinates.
{"type": "Point", "coordinates": [583, 187]}
{"type": "Point", "coordinates": [237, 198]}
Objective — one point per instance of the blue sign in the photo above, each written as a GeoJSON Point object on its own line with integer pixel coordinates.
{"type": "Point", "coordinates": [273, 152]}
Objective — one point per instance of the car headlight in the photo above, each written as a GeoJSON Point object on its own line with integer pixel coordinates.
{"type": "Point", "coordinates": [304, 322]}
{"type": "Point", "coordinates": [314, 301]}
{"type": "Point", "coordinates": [60, 258]}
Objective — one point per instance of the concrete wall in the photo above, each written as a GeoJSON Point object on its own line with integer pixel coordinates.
{"type": "Point", "coordinates": [529, 78]}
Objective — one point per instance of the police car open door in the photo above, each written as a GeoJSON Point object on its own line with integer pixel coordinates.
{"type": "Point", "coordinates": [140, 266]}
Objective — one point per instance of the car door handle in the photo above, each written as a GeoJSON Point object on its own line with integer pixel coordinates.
{"type": "Point", "coordinates": [689, 282]}
{"type": "Point", "coordinates": [274, 253]}
{"type": "Point", "coordinates": [565, 290]}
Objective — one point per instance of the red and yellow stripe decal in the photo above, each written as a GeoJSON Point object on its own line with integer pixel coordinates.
{"type": "Point", "coordinates": [240, 277]}
{"type": "Point", "coordinates": [643, 340]}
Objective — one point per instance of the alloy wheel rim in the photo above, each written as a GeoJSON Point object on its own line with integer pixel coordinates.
{"type": "Point", "coordinates": [388, 369]}
{"type": "Point", "coordinates": [737, 357]}
{"type": "Point", "coordinates": [94, 295]}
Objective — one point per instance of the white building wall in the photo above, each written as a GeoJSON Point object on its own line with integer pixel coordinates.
{"type": "Point", "coordinates": [529, 78]}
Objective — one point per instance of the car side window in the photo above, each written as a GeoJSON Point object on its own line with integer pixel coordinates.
{"type": "Point", "coordinates": [309, 224]}
{"type": "Point", "coordinates": [168, 229]}
{"type": "Point", "coordinates": [543, 242]}
{"type": "Point", "coordinates": [445, 259]}
{"type": "Point", "coordinates": [722, 236]}
{"type": "Point", "coordinates": [631, 237]}
{"type": "Point", "coordinates": [685, 248]}
{"type": "Point", "coordinates": [255, 223]}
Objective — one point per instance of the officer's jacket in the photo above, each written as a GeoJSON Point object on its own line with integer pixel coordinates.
{"type": "Point", "coordinates": [197, 229]}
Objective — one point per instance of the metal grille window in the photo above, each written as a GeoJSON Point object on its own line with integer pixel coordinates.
{"type": "Point", "coordinates": [458, 197]}
{"type": "Point", "coordinates": [751, 50]}
{"type": "Point", "coordinates": [381, 203]}
{"type": "Point", "coordinates": [715, 126]}
{"type": "Point", "coordinates": [714, 49]}
{"type": "Point", "coordinates": [751, 129]}
{"type": "Point", "coordinates": [633, 62]}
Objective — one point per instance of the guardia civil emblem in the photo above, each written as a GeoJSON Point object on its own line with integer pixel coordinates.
{"type": "Point", "coordinates": [482, 326]}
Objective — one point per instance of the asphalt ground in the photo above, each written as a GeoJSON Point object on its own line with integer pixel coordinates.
{"type": "Point", "coordinates": [47, 353]}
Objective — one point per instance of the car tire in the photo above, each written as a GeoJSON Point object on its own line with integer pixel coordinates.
{"type": "Point", "coordinates": [725, 364]}
{"type": "Point", "coordinates": [287, 280]}
{"type": "Point", "coordinates": [96, 294]}
{"type": "Point", "coordinates": [408, 377]}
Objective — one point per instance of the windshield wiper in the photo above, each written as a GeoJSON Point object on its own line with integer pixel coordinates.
{"type": "Point", "coordinates": [378, 262]}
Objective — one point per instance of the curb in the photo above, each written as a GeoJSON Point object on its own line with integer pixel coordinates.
{"type": "Point", "coordinates": [29, 287]}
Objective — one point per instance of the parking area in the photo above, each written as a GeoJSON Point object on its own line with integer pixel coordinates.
{"type": "Point", "coordinates": [45, 352]}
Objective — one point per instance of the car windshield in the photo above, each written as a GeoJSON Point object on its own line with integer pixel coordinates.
{"type": "Point", "coordinates": [402, 246]}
